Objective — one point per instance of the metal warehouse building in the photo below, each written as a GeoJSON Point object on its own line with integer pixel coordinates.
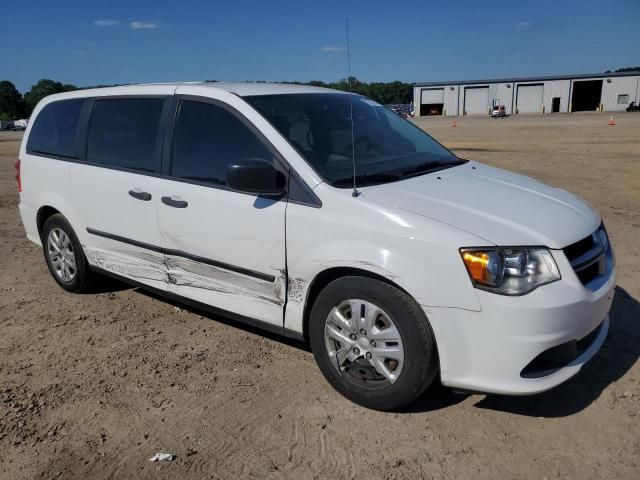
{"type": "Point", "coordinates": [604, 92]}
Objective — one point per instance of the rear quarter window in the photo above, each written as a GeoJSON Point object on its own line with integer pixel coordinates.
{"type": "Point", "coordinates": [54, 130]}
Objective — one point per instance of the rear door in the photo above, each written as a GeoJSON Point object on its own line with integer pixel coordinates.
{"type": "Point", "coordinates": [116, 190]}
{"type": "Point", "coordinates": [222, 248]}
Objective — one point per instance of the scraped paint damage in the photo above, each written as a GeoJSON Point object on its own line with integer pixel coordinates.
{"type": "Point", "coordinates": [184, 272]}
{"type": "Point", "coordinates": [296, 290]}
{"type": "Point", "coordinates": [137, 265]}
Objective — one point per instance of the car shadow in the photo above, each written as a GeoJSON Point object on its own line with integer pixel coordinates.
{"type": "Point", "coordinates": [436, 397]}
{"type": "Point", "coordinates": [107, 285]}
{"type": "Point", "coordinates": [228, 321]}
{"type": "Point", "coordinates": [617, 355]}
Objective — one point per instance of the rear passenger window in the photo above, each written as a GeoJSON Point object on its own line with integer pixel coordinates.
{"type": "Point", "coordinates": [54, 130]}
{"type": "Point", "coordinates": [123, 132]}
{"type": "Point", "coordinates": [207, 138]}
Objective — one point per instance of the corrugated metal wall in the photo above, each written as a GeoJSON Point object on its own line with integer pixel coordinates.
{"type": "Point", "coordinates": [557, 89]}
{"type": "Point", "coordinates": [613, 87]}
{"type": "Point", "coordinates": [451, 105]}
{"type": "Point", "coordinates": [501, 94]}
{"type": "Point", "coordinates": [552, 89]}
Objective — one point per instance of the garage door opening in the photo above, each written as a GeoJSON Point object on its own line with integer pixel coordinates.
{"type": "Point", "coordinates": [431, 101]}
{"type": "Point", "coordinates": [587, 95]}
{"type": "Point", "coordinates": [431, 109]}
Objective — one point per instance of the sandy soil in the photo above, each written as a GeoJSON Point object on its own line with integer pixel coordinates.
{"type": "Point", "coordinates": [92, 385]}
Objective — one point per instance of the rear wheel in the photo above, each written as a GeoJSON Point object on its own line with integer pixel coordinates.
{"type": "Point", "coordinates": [64, 256]}
{"type": "Point", "coordinates": [372, 342]}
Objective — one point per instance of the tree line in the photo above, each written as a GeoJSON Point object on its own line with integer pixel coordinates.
{"type": "Point", "coordinates": [382, 92]}
{"type": "Point", "coordinates": [14, 105]}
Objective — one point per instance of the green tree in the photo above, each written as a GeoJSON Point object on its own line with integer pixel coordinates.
{"type": "Point", "coordinates": [11, 103]}
{"type": "Point", "coordinates": [381, 92]}
{"type": "Point", "coordinates": [629, 69]}
{"type": "Point", "coordinates": [44, 88]}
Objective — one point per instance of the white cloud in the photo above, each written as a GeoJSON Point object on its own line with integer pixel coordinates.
{"type": "Point", "coordinates": [333, 48]}
{"type": "Point", "coordinates": [144, 25]}
{"type": "Point", "coordinates": [523, 26]}
{"type": "Point", "coordinates": [106, 22]}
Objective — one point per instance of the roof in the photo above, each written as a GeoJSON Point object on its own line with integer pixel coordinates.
{"type": "Point", "coordinates": [581, 76]}
{"type": "Point", "coordinates": [241, 88]}
{"type": "Point", "coordinates": [263, 88]}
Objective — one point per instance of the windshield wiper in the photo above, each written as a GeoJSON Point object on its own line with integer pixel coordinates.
{"type": "Point", "coordinates": [367, 179]}
{"type": "Point", "coordinates": [429, 167]}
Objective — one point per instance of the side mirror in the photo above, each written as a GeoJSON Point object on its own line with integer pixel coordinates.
{"type": "Point", "coordinates": [256, 176]}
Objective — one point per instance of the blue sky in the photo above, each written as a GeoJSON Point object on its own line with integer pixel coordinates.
{"type": "Point", "coordinates": [90, 42]}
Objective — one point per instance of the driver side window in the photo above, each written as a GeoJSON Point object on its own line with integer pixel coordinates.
{"type": "Point", "coordinates": [207, 138]}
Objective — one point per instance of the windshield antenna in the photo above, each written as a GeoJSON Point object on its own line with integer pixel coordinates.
{"type": "Point", "coordinates": [353, 142]}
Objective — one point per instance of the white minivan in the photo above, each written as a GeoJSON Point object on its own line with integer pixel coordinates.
{"type": "Point", "coordinates": [325, 217]}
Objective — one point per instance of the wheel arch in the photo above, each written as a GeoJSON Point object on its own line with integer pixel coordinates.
{"type": "Point", "coordinates": [43, 214]}
{"type": "Point", "coordinates": [50, 203]}
{"type": "Point", "coordinates": [325, 277]}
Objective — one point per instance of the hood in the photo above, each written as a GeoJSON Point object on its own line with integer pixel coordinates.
{"type": "Point", "coordinates": [503, 208]}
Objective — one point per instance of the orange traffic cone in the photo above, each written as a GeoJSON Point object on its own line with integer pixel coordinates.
{"type": "Point", "coordinates": [453, 124]}
{"type": "Point", "coordinates": [612, 121]}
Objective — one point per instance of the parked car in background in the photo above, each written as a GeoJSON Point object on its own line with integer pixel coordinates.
{"type": "Point", "coordinates": [498, 111]}
{"type": "Point", "coordinates": [405, 110]}
{"type": "Point", "coordinates": [240, 199]}
{"type": "Point", "coordinates": [633, 107]}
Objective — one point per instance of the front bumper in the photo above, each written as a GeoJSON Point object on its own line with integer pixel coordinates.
{"type": "Point", "coordinates": [487, 351]}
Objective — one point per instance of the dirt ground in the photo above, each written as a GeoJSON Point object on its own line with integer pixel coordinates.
{"type": "Point", "coordinates": [91, 386]}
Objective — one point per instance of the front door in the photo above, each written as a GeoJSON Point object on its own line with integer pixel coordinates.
{"type": "Point", "coordinates": [222, 248]}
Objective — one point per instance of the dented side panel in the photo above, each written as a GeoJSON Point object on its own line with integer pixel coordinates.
{"type": "Point", "coordinates": [231, 291]}
{"type": "Point", "coordinates": [141, 266]}
{"type": "Point", "coordinates": [183, 272]}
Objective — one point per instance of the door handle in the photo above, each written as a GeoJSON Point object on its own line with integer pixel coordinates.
{"type": "Point", "coordinates": [140, 195]}
{"type": "Point", "coordinates": [175, 202]}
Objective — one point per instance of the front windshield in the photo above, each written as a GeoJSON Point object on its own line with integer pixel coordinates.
{"type": "Point", "coordinates": [387, 147]}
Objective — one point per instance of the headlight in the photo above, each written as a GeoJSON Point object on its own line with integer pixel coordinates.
{"type": "Point", "coordinates": [510, 271]}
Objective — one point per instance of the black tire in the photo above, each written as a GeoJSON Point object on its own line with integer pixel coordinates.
{"type": "Point", "coordinates": [420, 366]}
{"type": "Point", "coordinates": [84, 279]}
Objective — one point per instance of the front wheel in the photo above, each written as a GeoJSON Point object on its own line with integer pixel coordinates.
{"type": "Point", "coordinates": [372, 342]}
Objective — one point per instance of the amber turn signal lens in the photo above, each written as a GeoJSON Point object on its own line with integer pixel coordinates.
{"type": "Point", "coordinates": [476, 263]}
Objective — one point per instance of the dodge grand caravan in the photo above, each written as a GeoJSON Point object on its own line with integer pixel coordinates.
{"type": "Point", "coordinates": [240, 199]}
